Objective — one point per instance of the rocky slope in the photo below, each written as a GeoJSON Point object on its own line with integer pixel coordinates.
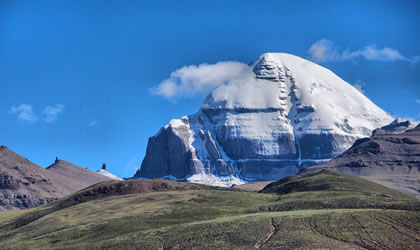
{"type": "Point", "coordinates": [81, 177]}
{"type": "Point", "coordinates": [24, 184]}
{"type": "Point", "coordinates": [389, 159]}
{"type": "Point", "coordinates": [284, 114]}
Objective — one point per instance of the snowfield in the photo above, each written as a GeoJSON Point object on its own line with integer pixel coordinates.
{"type": "Point", "coordinates": [108, 174]}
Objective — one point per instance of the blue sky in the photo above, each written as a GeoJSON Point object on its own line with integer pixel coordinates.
{"type": "Point", "coordinates": [76, 76]}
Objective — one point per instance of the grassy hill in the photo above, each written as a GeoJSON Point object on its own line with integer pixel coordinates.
{"type": "Point", "coordinates": [328, 189]}
{"type": "Point", "coordinates": [321, 210]}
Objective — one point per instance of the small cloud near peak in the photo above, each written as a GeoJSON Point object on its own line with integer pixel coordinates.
{"type": "Point", "coordinates": [325, 50]}
{"type": "Point", "coordinates": [191, 80]}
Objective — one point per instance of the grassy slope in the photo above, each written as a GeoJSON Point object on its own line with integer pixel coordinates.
{"type": "Point", "coordinates": [253, 186]}
{"type": "Point", "coordinates": [222, 219]}
{"type": "Point", "coordinates": [329, 189]}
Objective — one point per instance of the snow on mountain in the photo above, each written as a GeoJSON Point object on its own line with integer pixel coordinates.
{"type": "Point", "coordinates": [317, 98]}
{"type": "Point", "coordinates": [284, 114]}
{"type": "Point", "coordinates": [108, 174]}
{"type": "Point", "coordinates": [398, 126]}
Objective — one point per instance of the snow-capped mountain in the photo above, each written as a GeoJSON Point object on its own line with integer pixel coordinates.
{"type": "Point", "coordinates": [104, 172]}
{"type": "Point", "coordinates": [284, 114]}
{"type": "Point", "coordinates": [108, 174]}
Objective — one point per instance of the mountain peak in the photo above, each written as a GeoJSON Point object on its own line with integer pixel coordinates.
{"type": "Point", "coordinates": [274, 66]}
{"type": "Point", "coordinates": [278, 57]}
{"type": "Point", "coordinates": [301, 91]}
{"type": "Point", "coordinates": [59, 163]}
{"type": "Point", "coordinates": [284, 113]}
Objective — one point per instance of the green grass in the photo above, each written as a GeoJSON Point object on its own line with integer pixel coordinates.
{"type": "Point", "coordinates": [328, 181]}
{"type": "Point", "coordinates": [6, 216]}
{"type": "Point", "coordinates": [223, 219]}
{"type": "Point", "coordinates": [328, 189]}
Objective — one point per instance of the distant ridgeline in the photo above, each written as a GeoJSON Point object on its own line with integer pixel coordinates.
{"type": "Point", "coordinates": [24, 184]}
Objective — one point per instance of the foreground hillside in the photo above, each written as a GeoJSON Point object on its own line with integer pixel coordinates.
{"type": "Point", "coordinates": [320, 210]}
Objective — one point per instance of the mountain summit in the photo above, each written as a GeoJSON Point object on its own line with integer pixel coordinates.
{"type": "Point", "coordinates": [284, 114]}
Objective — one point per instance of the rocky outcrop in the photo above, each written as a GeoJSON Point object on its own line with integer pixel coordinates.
{"type": "Point", "coordinates": [285, 114]}
{"type": "Point", "coordinates": [389, 159]}
{"type": "Point", "coordinates": [168, 153]}
{"type": "Point", "coordinates": [24, 184]}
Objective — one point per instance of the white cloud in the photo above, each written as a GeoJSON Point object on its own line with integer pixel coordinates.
{"type": "Point", "coordinates": [50, 113]}
{"type": "Point", "coordinates": [325, 51]}
{"type": "Point", "coordinates": [418, 101]}
{"type": "Point", "coordinates": [191, 80]}
{"type": "Point", "coordinates": [24, 112]}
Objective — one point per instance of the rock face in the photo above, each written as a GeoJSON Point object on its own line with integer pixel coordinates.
{"type": "Point", "coordinates": [285, 114]}
{"type": "Point", "coordinates": [24, 184]}
{"type": "Point", "coordinates": [389, 159]}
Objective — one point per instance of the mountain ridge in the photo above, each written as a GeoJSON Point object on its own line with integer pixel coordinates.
{"type": "Point", "coordinates": [24, 184]}
{"type": "Point", "coordinates": [389, 159]}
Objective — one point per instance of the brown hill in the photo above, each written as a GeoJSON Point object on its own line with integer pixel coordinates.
{"type": "Point", "coordinates": [81, 177]}
{"type": "Point", "coordinates": [117, 187]}
{"type": "Point", "coordinates": [24, 184]}
{"type": "Point", "coordinates": [389, 159]}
